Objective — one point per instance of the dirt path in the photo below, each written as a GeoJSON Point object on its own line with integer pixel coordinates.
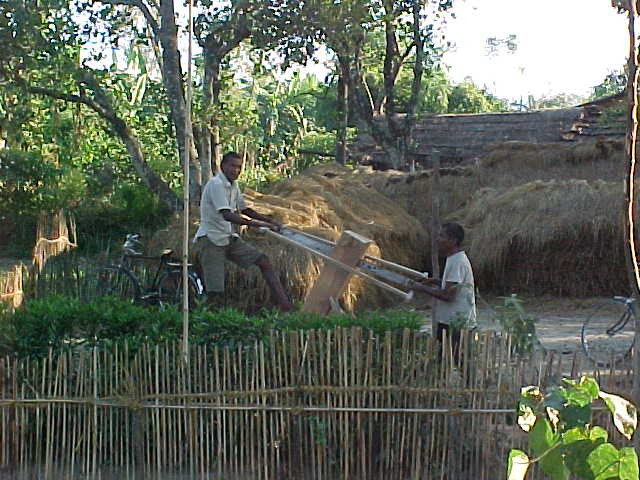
{"type": "Point", "coordinates": [559, 319]}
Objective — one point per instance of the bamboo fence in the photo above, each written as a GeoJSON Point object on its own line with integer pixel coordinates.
{"type": "Point", "coordinates": [331, 404]}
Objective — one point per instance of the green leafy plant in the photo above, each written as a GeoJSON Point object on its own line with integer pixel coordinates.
{"type": "Point", "coordinates": [513, 319]}
{"type": "Point", "coordinates": [563, 440]}
{"type": "Point", "coordinates": [62, 323]}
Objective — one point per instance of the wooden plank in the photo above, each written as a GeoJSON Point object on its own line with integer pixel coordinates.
{"type": "Point", "coordinates": [332, 281]}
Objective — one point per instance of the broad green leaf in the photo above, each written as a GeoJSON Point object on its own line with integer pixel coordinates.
{"type": "Point", "coordinates": [575, 456]}
{"type": "Point", "coordinates": [555, 400]}
{"type": "Point", "coordinates": [586, 385]}
{"type": "Point", "coordinates": [552, 463]}
{"type": "Point", "coordinates": [628, 464]}
{"type": "Point", "coordinates": [590, 385]}
{"type": "Point", "coordinates": [578, 396]}
{"type": "Point", "coordinates": [517, 465]}
{"type": "Point", "coordinates": [545, 443]}
{"type": "Point", "coordinates": [542, 437]}
{"type": "Point", "coordinates": [574, 435]}
{"type": "Point", "coordinates": [575, 416]}
{"type": "Point", "coordinates": [597, 433]}
{"type": "Point", "coordinates": [625, 415]}
{"type": "Point", "coordinates": [604, 461]}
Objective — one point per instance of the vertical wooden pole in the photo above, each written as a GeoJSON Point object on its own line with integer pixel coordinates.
{"type": "Point", "coordinates": [631, 147]}
{"type": "Point", "coordinates": [435, 214]}
{"type": "Point", "coordinates": [332, 281]}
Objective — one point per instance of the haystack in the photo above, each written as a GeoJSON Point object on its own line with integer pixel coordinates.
{"type": "Point", "coordinates": [540, 218]}
{"type": "Point", "coordinates": [548, 237]}
{"type": "Point", "coordinates": [325, 201]}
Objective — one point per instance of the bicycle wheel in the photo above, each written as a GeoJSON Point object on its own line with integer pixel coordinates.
{"type": "Point", "coordinates": [608, 332]}
{"type": "Point", "coordinates": [115, 281]}
{"type": "Point", "coordinates": [170, 289]}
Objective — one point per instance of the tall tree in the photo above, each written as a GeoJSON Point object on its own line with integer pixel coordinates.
{"type": "Point", "coordinates": [41, 57]}
{"type": "Point", "coordinates": [297, 28]}
{"type": "Point", "coordinates": [219, 32]}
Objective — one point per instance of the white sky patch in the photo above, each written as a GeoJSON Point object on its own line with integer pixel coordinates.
{"type": "Point", "coordinates": [564, 46]}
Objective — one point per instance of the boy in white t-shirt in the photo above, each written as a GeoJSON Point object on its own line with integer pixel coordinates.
{"type": "Point", "coordinates": [455, 304]}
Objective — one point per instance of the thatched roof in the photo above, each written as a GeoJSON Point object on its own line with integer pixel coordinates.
{"type": "Point", "coordinates": [463, 138]}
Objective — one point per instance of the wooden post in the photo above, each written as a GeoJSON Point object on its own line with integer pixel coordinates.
{"type": "Point", "coordinates": [332, 281]}
{"type": "Point", "coordinates": [435, 214]}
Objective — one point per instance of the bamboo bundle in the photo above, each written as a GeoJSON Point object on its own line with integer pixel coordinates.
{"type": "Point", "coordinates": [319, 404]}
{"type": "Point", "coordinates": [55, 234]}
{"type": "Point", "coordinates": [11, 291]}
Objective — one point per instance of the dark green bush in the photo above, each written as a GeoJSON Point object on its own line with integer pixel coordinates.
{"type": "Point", "coordinates": [64, 323]}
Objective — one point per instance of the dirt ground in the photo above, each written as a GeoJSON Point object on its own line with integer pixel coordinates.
{"type": "Point", "coordinates": [559, 319]}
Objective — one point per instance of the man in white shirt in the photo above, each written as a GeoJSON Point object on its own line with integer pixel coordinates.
{"type": "Point", "coordinates": [455, 302]}
{"type": "Point", "coordinates": [222, 208]}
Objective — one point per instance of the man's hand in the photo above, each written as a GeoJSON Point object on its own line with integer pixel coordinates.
{"type": "Point", "coordinates": [273, 222]}
{"type": "Point", "coordinates": [274, 226]}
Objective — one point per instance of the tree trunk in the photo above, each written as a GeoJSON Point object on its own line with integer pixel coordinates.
{"type": "Point", "coordinates": [435, 215]}
{"type": "Point", "coordinates": [150, 178]}
{"type": "Point", "coordinates": [416, 84]}
{"type": "Point", "coordinates": [211, 100]}
{"type": "Point", "coordinates": [343, 110]}
{"type": "Point", "coordinates": [172, 79]}
{"type": "Point", "coordinates": [203, 144]}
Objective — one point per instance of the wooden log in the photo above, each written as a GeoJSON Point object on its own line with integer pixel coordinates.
{"type": "Point", "coordinates": [332, 281]}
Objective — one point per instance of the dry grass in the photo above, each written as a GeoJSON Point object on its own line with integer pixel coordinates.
{"type": "Point", "coordinates": [325, 201]}
{"type": "Point", "coordinates": [559, 237]}
{"type": "Point", "coordinates": [540, 218]}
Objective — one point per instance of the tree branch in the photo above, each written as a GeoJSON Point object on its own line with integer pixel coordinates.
{"type": "Point", "coordinates": [153, 23]}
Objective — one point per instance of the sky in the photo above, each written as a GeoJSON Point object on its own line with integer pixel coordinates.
{"type": "Point", "coordinates": [564, 46]}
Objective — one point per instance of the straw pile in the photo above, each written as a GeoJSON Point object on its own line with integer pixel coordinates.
{"type": "Point", "coordinates": [325, 201]}
{"type": "Point", "coordinates": [549, 237]}
{"type": "Point", "coordinates": [540, 218]}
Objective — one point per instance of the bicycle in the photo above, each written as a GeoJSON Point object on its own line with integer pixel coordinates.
{"type": "Point", "coordinates": [608, 333]}
{"type": "Point", "coordinates": [165, 286]}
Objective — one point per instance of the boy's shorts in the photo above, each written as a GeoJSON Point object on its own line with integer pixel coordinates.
{"type": "Point", "coordinates": [211, 258]}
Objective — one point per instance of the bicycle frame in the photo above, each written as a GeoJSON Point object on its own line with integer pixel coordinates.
{"type": "Point", "coordinates": [624, 319]}
{"type": "Point", "coordinates": [166, 265]}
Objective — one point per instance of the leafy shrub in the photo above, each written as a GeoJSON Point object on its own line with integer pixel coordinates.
{"type": "Point", "coordinates": [514, 320]}
{"type": "Point", "coordinates": [64, 323]}
{"type": "Point", "coordinates": [563, 438]}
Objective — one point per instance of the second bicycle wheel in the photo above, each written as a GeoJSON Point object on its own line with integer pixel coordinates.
{"type": "Point", "coordinates": [608, 332]}
{"type": "Point", "coordinates": [115, 281]}
{"type": "Point", "coordinates": [170, 289]}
